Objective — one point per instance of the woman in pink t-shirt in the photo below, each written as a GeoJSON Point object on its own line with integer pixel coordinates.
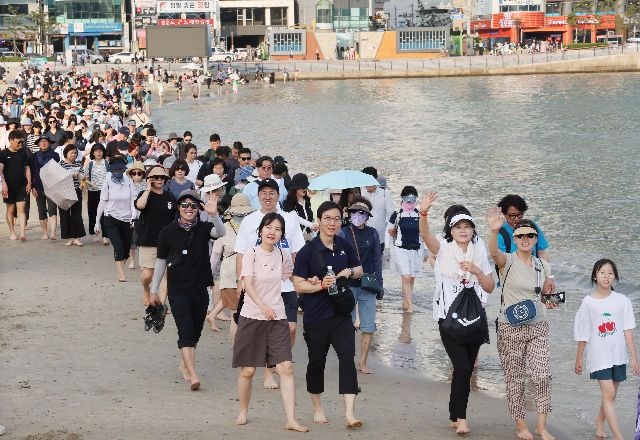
{"type": "Point", "coordinates": [262, 337]}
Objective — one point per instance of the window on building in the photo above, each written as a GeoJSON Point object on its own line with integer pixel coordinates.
{"type": "Point", "coordinates": [420, 40]}
{"type": "Point", "coordinates": [520, 8]}
{"type": "Point", "coordinates": [583, 7]}
{"type": "Point", "coordinates": [554, 8]}
{"type": "Point", "coordinates": [287, 41]}
{"type": "Point", "coordinates": [258, 17]}
{"type": "Point", "coordinates": [228, 17]}
{"type": "Point", "coordinates": [606, 7]}
{"type": "Point", "coordinates": [279, 16]}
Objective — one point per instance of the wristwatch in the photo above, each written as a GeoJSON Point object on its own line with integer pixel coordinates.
{"type": "Point", "coordinates": [351, 272]}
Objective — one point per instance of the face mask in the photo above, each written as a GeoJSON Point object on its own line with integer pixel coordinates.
{"type": "Point", "coordinates": [408, 206]}
{"type": "Point", "coordinates": [358, 219]}
{"type": "Point", "coordinates": [117, 177]}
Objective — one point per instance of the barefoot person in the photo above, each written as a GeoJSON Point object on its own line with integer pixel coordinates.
{"type": "Point", "coordinates": [323, 327]}
{"type": "Point", "coordinates": [461, 262]}
{"type": "Point", "coordinates": [293, 240]}
{"type": "Point", "coordinates": [157, 209]}
{"type": "Point", "coordinates": [364, 240]}
{"type": "Point", "coordinates": [263, 332]}
{"type": "Point", "coordinates": [116, 204]}
{"type": "Point", "coordinates": [223, 255]}
{"type": "Point", "coordinates": [71, 224]}
{"type": "Point", "coordinates": [605, 324]}
{"type": "Point", "coordinates": [183, 251]}
{"type": "Point", "coordinates": [523, 346]}
{"type": "Point", "coordinates": [16, 182]}
{"type": "Point", "coordinates": [47, 209]}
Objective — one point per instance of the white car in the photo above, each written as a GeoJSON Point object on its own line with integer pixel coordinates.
{"type": "Point", "coordinates": [242, 54]}
{"type": "Point", "coordinates": [219, 54]}
{"type": "Point", "coordinates": [121, 57]}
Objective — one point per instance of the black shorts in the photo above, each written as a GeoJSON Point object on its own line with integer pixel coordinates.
{"type": "Point", "coordinates": [290, 306]}
{"type": "Point", "coordinates": [16, 195]}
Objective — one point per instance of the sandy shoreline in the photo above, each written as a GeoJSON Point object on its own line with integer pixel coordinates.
{"type": "Point", "coordinates": [76, 361]}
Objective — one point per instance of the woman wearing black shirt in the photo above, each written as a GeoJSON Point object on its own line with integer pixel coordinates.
{"type": "Point", "coordinates": [183, 250]}
{"type": "Point", "coordinates": [298, 201]}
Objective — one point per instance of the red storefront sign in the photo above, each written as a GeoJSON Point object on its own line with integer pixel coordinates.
{"type": "Point", "coordinates": [184, 21]}
{"type": "Point", "coordinates": [509, 20]}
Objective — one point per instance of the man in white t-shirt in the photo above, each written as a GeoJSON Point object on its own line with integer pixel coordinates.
{"type": "Point", "coordinates": [247, 238]}
{"type": "Point", "coordinates": [382, 203]}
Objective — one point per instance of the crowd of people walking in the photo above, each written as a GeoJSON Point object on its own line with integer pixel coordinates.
{"type": "Point", "coordinates": [226, 228]}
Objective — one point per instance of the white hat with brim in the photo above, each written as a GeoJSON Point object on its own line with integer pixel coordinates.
{"type": "Point", "coordinates": [460, 217]}
{"type": "Point", "coordinates": [211, 183]}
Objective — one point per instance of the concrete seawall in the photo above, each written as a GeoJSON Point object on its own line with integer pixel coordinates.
{"type": "Point", "coordinates": [613, 63]}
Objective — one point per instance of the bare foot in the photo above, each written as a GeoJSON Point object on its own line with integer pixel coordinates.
{"type": "Point", "coordinates": [185, 373]}
{"type": "Point", "coordinates": [53, 237]}
{"type": "Point", "coordinates": [195, 384]}
{"type": "Point", "coordinates": [122, 280]}
{"type": "Point", "coordinates": [544, 433]}
{"type": "Point", "coordinates": [222, 317]}
{"type": "Point", "coordinates": [462, 428]}
{"type": "Point", "coordinates": [105, 242]}
{"type": "Point", "coordinates": [44, 237]}
{"type": "Point", "coordinates": [271, 384]}
{"type": "Point", "coordinates": [295, 426]}
{"type": "Point", "coordinates": [524, 434]}
{"type": "Point", "coordinates": [23, 238]}
{"type": "Point", "coordinates": [77, 242]}
{"type": "Point", "coordinates": [145, 299]}
{"type": "Point", "coordinates": [242, 418]}
{"type": "Point", "coordinates": [131, 266]}
{"type": "Point", "coordinates": [13, 237]}
{"type": "Point", "coordinates": [454, 425]}
{"type": "Point", "coordinates": [319, 417]}
{"type": "Point", "coordinates": [352, 422]}
{"type": "Point", "coordinates": [96, 239]}
{"type": "Point", "coordinates": [364, 370]}
{"type": "Point", "coordinates": [69, 243]}
{"type": "Point", "coordinates": [600, 432]}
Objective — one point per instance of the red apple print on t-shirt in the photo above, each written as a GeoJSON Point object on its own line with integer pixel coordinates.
{"type": "Point", "coordinates": [608, 327]}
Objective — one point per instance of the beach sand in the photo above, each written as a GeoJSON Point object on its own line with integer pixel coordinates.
{"type": "Point", "coordinates": [77, 364]}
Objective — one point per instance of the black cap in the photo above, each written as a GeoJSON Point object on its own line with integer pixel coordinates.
{"type": "Point", "coordinates": [279, 159]}
{"type": "Point", "coordinates": [299, 181]}
{"type": "Point", "coordinates": [270, 183]}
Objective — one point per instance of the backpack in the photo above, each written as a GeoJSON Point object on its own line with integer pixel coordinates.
{"type": "Point", "coordinates": [466, 320]}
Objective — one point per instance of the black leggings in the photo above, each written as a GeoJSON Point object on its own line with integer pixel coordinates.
{"type": "Point", "coordinates": [93, 200]}
{"type": "Point", "coordinates": [340, 333]}
{"type": "Point", "coordinates": [120, 235]}
{"type": "Point", "coordinates": [463, 358]}
{"type": "Point", "coordinates": [46, 207]}
{"type": "Point", "coordinates": [189, 311]}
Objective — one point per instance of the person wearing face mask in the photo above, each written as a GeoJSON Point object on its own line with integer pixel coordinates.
{"type": "Point", "coordinates": [365, 241]}
{"type": "Point", "coordinates": [116, 203]}
{"type": "Point", "coordinates": [406, 245]}
{"type": "Point", "coordinates": [461, 262]}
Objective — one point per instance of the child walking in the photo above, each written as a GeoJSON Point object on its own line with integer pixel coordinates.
{"type": "Point", "coordinates": [605, 322]}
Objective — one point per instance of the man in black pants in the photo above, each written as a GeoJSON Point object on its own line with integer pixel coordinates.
{"type": "Point", "coordinates": [322, 326]}
{"type": "Point", "coordinates": [16, 182]}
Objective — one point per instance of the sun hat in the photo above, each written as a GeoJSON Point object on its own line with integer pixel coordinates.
{"type": "Point", "coordinates": [459, 217]}
{"type": "Point", "coordinates": [172, 135]}
{"type": "Point", "coordinates": [240, 205]}
{"type": "Point", "coordinates": [359, 206]}
{"type": "Point", "coordinates": [150, 162]}
{"type": "Point", "coordinates": [211, 182]}
{"type": "Point", "coordinates": [525, 226]}
{"type": "Point", "coordinates": [26, 121]}
{"type": "Point", "coordinates": [189, 194]}
{"type": "Point", "coordinates": [270, 183]}
{"type": "Point", "coordinates": [157, 170]}
{"type": "Point", "coordinates": [312, 174]}
{"type": "Point", "coordinates": [299, 181]}
{"type": "Point", "coordinates": [137, 165]}
{"type": "Point", "coordinates": [117, 163]}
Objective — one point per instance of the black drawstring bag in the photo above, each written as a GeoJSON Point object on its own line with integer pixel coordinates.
{"type": "Point", "coordinates": [466, 320]}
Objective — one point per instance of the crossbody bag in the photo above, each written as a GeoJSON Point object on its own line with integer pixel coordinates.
{"type": "Point", "coordinates": [522, 311]}
{"type": "Point", "coordinates": [368, 282]}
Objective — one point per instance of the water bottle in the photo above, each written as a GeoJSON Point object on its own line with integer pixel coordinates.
{"type": "Point", "coordinates": [333, 290]}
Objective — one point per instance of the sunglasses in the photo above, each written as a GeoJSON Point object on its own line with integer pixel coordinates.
{"type": "Point", "coordinates": [137, 173]}
{"type": "Point", "coordinates": [515, 216]}
{"type": "Point", "coordinates": [359, 211]}
{"type": "Point", "coordinates": [244, 158]}
{"type": "Point", "coordinates": [186, 205]}
{"type": "Point", "coordinates": [157, 178]}
{"type": "Point", "coordinates": [521, 236]}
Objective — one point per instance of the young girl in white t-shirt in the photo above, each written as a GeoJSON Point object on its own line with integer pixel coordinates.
{"type": "Point", "coordinates": [605, 322]}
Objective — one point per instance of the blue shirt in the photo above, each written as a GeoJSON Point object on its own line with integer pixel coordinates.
{"type": "Point", "coordinates": [368, 250]}
{"type": "Point", "coordinates": [251, 191]}
{"type": "Point", "coordinates": [317, 306]}
{"type": "Point", "coordinates": [540, 246]}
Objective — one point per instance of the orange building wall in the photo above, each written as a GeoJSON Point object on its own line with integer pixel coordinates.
{"type": "Point", "coordinates": [387, 49]}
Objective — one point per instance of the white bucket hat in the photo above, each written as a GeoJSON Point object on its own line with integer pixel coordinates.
{"type": "Point", "coordinates": [211, 182]}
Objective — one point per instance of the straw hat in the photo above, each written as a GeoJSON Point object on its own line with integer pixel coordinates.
{"type": "Point", "coordinates": [240, 205]}
{"type": "Point", "coordinates": [157, 170]}
{"type": "Point", "coordinates": [137, 165]}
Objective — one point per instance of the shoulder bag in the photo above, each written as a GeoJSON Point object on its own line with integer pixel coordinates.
{"type": "Point", "coordinates": [523, 311]}
{"type": "Point", "coordinates": [343, 302]}
{"type": "Point", "coordinates": [368, 282]}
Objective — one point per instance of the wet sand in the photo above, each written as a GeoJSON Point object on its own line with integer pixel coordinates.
{"type": "Point", "coordinates": [77, 363]}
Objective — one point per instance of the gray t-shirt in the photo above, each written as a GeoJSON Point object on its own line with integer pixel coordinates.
{"type": "Point", "coordinates": [520, 285]}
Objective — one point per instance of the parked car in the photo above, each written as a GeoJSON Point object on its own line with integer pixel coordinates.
{"type": "Point", "coordinates": [11, 53]}
{"type": "Point", "coordinates": [89, 56]}
{"type": "Point", "coordinates": [121, 57]}
{"type": "Point", "coordinates": [220, 54]}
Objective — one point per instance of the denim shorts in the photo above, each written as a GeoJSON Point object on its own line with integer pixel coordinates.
{"type": "Point", "coordinates": [617, 373]}
{"type": "Point", "coordinates": [366, 309]}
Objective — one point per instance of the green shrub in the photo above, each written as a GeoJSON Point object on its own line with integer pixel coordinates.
{"type": "Point", "coordinates": [585, 45]}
